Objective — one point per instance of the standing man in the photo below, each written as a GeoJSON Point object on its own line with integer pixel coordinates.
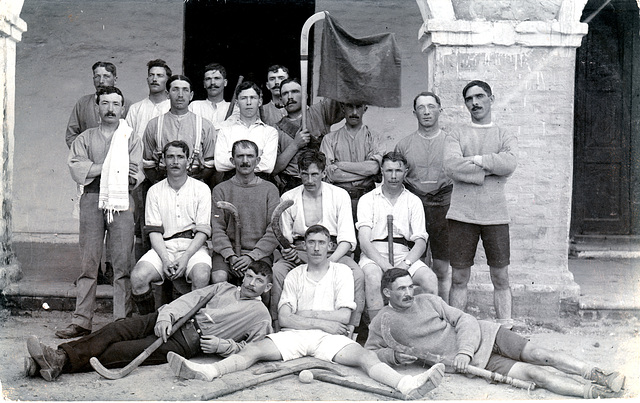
{"type": "Point", "coordinates": [178, 214]}
{"type": "Point", "coordinates": [317, 202]}
{"type": "Point", "coordinates": [353, 155]}
{"type": "Point", "coordinates": [409, 233]}
{"type": "Point", "coordinates": [292, 141]}
{"type": "Point", "coordinates": [255, 199]}
{"type": "Point", "coordinates": [179, 124]}
{"type": "Point", "coordinates": [424, 151]}
{"type": "Point", "coordinates": [314, 310]}
{"type": "Point", "coordinates": [214, 108]}
{"type": "Point", "coordinates": [480, 157]}
{"type": "Point", "coordinates": [272, 112]}
{"type": "Point", "coordinates": [247, 126]}
{"type": "Point", "coordinates": [106, 160]}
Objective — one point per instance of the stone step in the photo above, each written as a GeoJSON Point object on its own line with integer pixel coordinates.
{"type": "Point", "coordinates": [605, 246]}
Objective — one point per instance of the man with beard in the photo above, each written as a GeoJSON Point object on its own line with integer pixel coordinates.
{"type": "Point", "coordinates": [292, 141]}
{"type": "Point", "coordinates": [106, 161]}
{"type": "Point", "coordinates": [214, 108]}
{"type": "Point", "coordinates": [177, 218]}
{"type": "Point", "coordinates": [426, 322]}
{"type": "Point", "coordinates": [479, 158]}
{"type": "Point", "coordinates": [255, 199]}
{"type": "Point", "coordinates": [272, 112]}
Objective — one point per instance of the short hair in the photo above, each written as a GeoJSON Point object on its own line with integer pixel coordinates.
{"type": "Point", "coordinates": [263, 268]}
{"type": "Point", "coordinates": [317, 229]}
{"type": "Point", "coordinates": [426, 94]}
{"type": "Point", "coordinates": [106, 91]}
{"type": "Point", "coordinates": [110, 67]}
{"type": "Point", "coordinates": [247, 85]}
{"type": "Point", "coordinates": [309, 157]}
{"type": "Point", "coordinates": [394, 156]}
{"type": "Point", "coordinates": [276, 67]}
{"type": "Point", "coordinates": [476, 83]}
{"type": "Point", "coordinates": [389, 276]}
{"type": "Point", "coordinates": [289, 80]}
{"type": "Point", "coordinates": [159, 63]}
{"type": "Point", "coordinates": [243, 144]}
{"type": "Point", "coordinates": [177, 144]}
{"type": "Point", "coordinates": [216, 67]}
{"type": "Point", "coordinates": [177, 77]}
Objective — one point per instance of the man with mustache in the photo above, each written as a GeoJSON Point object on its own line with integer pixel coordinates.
{"type": "Point", "coordinates": [177, 219]}
{"type": "Point", "coordinates": [272, 112]}
{"type": "Point", "coordinates": [314, 311]}
{"type": "Point", "coordinates": [479, 157]}
{"type": "Point", "coordinates": [179, 124]}
{"type": "Point", "coordinates": [426, 322]}
{"type": "Point", "coordinates": [234, 317]}
{"type": "Point", "coordinates": [424, 150]}
{"type": "Point", "coordinates": [214, 108]}
{"type": "Point", "coordinates": [106, 161]}
{"type": "Point", "coordinates": [409, 233]}
{"type": "Point", "coordinates": [255, 199]}
{"type": "Point", "coordinates": [292, 141]}
{"type": "Point", "coordinates": [353, 154]}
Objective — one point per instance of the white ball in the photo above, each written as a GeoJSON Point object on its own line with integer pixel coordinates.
{"type": "Point", "coordinates": [305, 376]}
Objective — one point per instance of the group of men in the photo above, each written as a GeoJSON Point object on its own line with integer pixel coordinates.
{"type": "Point", "coordinates": [211, 174]}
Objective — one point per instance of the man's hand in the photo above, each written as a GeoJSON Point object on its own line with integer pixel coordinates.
{"type": "Point", "coordinates": [332, 327]}
{"type": "Point", "coordinates": [209, 344]}
{"type": "Point", "coordinates": [240, 264]}
{"type": "Point", "coordinates": [477, 159]}
{"type": "Point", "coordinates": [404, 359]}
{"type": "Point", "coordinates": [289, 254]}
{"type": "Point", "coordinates": [302, 138]}
{"type": "Point", "coordinates": [460, 362]}
{"type": "Point", "coordinates": [168, 267]}
{"type": "Point", "coordinates": [163, 329]}
{"type": "Point", "coordinates": [179, 267]}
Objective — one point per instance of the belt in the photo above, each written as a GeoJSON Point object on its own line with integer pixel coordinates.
{"type": "Point", "coordinates": [355, 192]}
{"type": "Point", "coordinates": [401, 241]}
{"type": "Point", "coordinates": [189, 234]}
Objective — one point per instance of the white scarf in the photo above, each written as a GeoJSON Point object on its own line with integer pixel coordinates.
{"type": "Point", "coordinates": [114, 179]}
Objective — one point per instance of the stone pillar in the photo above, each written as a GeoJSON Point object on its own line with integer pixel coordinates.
{"type": "Point", "coordinates": [11, 29]}
{"type": "Point", "coordinates": [526, 52]}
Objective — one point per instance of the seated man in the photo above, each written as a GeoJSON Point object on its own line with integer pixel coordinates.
{"type": "Point", "coordinates": [177, 218]}
{"type": "Point", "coordinates": [427, 322]}
{"type": "Point", "coordinates": [317, 202]}
{"type": "Point", "coordinates": [234, 317]}
{"type": "Point", "coordinates": [409, 233]}
{"type": "Point", "coordinates": [314, 311]}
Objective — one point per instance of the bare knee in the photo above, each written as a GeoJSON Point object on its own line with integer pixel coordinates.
{"type": "Point", "coordinates": [219, 276]}
{"type": "Point", "coordinates": [460, 277]}
{"type": "Point", "coordinates": [536, 355]}
{"type": "Point", "coordinates": [372, 274]}
{"type": "Point", "coordinates": [427, 280]}
{"type": "Point", "coordinates": [200, 276]}
{"type": "Point", "coordinates": [141, 277]}
{"type": "Point", "coordinates": [500, 277]}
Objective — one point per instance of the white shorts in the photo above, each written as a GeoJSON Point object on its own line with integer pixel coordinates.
{"type": "Point", "coordinates": [175, 248]}
{"type": "Point", "coordinates": [316, 343]}
{"type": "Point", "coordinates": [399, 254]}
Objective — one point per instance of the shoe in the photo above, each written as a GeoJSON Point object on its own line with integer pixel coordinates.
{"type": "Point", "coordinates": [416, 387]}
{"type": "Point", "coordinates": [600, 392]}
{"type": "Point", "coordinates": [612, 380]}
{"type": "Point", "coordinates": [50, 361]}
{"type": "Point", "coordinates": [185, 369]}
{"type": "Point", "coordinates": [31, 367]}
{"type": "Point", "coordinates": [72, 331]}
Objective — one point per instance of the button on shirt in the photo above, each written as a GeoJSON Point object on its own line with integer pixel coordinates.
{"type": "Point", "coordinates": [234, 129]}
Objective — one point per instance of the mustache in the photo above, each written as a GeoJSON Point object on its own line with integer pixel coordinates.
{"type": "Point", "coordinates": [354, 117]}
{"type": "Point", "coordinates": [110, 114]}
{"type": "Point", "coordinates": [407, 298]}
{"type": "Point", "coordinates": [213, 86]}
{"type": "Point", "coordinates": [475, 108]}
{"type": "Point", "coordinates": [245, 165]}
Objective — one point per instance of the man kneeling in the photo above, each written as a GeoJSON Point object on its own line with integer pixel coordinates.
{"type": "Point", "coordinates": [425, 321]}
{"type": "Point", "coordinates": [314, 311]}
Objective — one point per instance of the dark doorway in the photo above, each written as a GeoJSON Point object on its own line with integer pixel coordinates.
{"type": "Point", "coordinates": [245, 36]}
{"type": "Point", "coordinates": [603, 190]}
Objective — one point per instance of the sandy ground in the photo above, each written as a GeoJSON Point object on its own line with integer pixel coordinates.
{"type": "Point", "coordinates": [608, 343]}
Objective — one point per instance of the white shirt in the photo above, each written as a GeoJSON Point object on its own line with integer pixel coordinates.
{"type": "Point", "coordinates": [234, 129]}
{"type": "Point", "coordinates": [142, 112]}
{"type": "Point", "coordinates": [214, 113]}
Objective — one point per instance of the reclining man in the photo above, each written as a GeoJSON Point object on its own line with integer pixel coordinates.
{"type": "Point", "coordinates": [231, 319]}
{"type": "Point", "coordinates": [425, 321]}
{"type": "Point", "coordinates": [314, 311]}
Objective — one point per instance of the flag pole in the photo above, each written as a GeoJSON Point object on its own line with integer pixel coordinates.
{"type": "Point", "coordinates": [304, 60]}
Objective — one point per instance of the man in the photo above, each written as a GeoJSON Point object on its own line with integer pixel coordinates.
{"type": "Point", "coordinates": [179, 124]}
{"type": "Point", "coordinates": [140, 113]}
{"type": "Point", "coordinates": [272, 112]}
{"type": "Point", "coordinates": [409, 233]}
{"type": "Point", "coordinates": [479, 157]}
{"type": "Point", "coordinates": [317, 202]}
{"type": "Point", "coordinates": [178, 216]}
{"type": "Point", "coordinates": [292, 141]}
{"type": "Point", "coordinates": [427, 322]}
{"type": "Point", "coordinates": [255, 199]}
{"type": "Point", "coordinates": [247, 126]}
{"type": "Point", "coordinates": [234, 317]}
{"type": "Point", "coordinates": [106, 160]}
{"type": "Point", "coordinates": [314, 310]}
{"type": "Point", "coordinates": [424, 151]}
{"type": "Point", "coordinates": [353, 155]}
{"type": "Point", "coordinates": [214, 108]}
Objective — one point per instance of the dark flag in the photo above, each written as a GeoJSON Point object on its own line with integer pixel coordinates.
{"type": "Point", "coordinates": [359, 70]}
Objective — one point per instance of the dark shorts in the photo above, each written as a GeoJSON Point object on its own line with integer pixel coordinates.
{"type": "Point", "coordinates": [438, 230]}
{"type": "Point", "coordinates": [463, 242]}
{"type": "Point", "coordinates": [507, 350]}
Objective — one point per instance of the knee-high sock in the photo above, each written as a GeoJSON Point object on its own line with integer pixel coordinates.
{"type": "Point", "coordinates": [383, 373]}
